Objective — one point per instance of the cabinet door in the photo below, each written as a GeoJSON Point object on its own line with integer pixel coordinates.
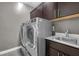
{"type": "Point", "coordinates": [66, 49]}
{"type": "Point", "coordinates": [49, 10]}
{"type": "Point", "coordinates": [52, 52]}
{"type": "Point", "coordinates": [37, 12]}
{"type": "Point", "coordinates": [67, 8]}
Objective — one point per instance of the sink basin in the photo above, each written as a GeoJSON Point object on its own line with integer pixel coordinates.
{"type": "Point", "coordinates": [67, 39]}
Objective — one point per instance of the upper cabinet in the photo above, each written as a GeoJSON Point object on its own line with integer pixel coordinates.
{"type": "Point", "coordinates": [67, 8]}
{"type": "Point", "coordinates": [52, 10]}
{"type": "Point", "coordinates": [49, 10]}
{"type": "Point", "coordinates": [46, 10]}
{"type": "Point", "coordinates": [37, 12]}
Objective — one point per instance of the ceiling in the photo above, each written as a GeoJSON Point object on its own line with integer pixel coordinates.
{"type": "Point", "coordinates": [32, 4]}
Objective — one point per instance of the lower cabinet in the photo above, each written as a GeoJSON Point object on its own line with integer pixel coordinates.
{"type": "Point", "coordinates": [52, 52]}
{"type": "Point", "coordinates": [58, 49]}
{"type": "Point", "coordinates": [55, 52]}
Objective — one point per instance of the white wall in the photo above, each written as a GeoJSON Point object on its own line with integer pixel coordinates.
{"type": "Point", "coordinates": [10, 21]}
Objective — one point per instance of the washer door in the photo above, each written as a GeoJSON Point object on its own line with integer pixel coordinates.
{"type": "Point", "coordinates": [27, 35]}
{"type": "Point", "coordinates": [31, 38]}
{"type": "Point", "coordinates": [30, 35]}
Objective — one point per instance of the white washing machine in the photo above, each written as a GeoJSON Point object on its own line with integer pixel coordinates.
{"type": "Point", "coordinates": [34, 34]}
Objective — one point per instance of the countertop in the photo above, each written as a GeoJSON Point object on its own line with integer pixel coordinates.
{"type": "Point", "coordinates": [52, 38]}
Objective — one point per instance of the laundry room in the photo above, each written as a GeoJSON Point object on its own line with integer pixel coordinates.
{"type": "Point", "coordinates": [39, 28]}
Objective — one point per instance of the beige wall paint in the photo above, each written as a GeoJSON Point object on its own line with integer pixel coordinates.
{"type": "Point", "coordinates": [72, 25]}
{"type": "Point", "coordinates": [10, 21]}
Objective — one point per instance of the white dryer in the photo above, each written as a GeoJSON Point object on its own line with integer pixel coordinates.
{"type": "Point", "coordinates": [34, 34]}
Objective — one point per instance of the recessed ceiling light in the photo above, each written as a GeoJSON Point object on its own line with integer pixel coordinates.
{"type": "Point", "coordinates": [20, 5]}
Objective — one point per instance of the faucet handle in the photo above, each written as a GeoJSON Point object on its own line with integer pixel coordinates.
{"type": "Point", "coordinates": [67, 30]}
{"type": "Point", "coordinates": [66, 33]}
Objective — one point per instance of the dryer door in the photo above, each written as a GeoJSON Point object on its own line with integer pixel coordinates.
{"type": "Point", "coordinates": [30, 35]}
{"type": "Point", "coordinates": [31, 38]}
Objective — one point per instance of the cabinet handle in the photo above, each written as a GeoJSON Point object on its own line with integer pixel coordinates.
{"type": "Point", "coordinates": [58, 54]}
{"type": "Point", "coordinates": [58, 12]}
{"type": "Point", "coordinates": [55, 13]}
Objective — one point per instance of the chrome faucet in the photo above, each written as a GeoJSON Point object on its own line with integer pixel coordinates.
{"type": "Point", "coordinates": [66, 33]}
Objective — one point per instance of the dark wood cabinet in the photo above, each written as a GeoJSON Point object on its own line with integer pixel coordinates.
{"type": "Point", "coordinates": [55, 52]}
{"type": "Point", "coordinates": [52, 51]}
{"type": "Point", "coordinates": [37, 12]}
{"type": "Point", "coordinates": [46, 10]}
{"type": "Point", "coordinates": [58, 49]}
{"type": "Point", "coordinates": [67, 8]}
{"type": "Point", "coordinates": [49, 10]}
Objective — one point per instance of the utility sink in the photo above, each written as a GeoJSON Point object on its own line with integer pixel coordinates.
{"type": "Point", "coordinates": [67, 39]}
